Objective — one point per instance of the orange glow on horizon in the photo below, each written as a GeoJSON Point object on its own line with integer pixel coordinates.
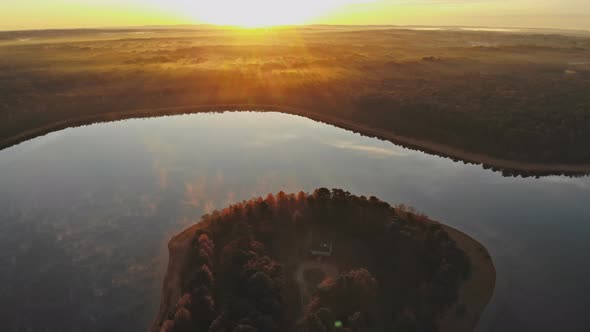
{"type": "Point", "coordinates": [44, 14]}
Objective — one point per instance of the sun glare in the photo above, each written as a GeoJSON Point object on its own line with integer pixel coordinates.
{"type": "Point", "coordinates": [263, 13]}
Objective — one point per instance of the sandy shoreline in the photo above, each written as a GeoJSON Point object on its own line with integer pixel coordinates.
{"type": "Point", "coordinates": [178, 247]}
{"type": "Point", "coordinates": [475, 293]}
{"type": "Point", "coordinates": [510, 166]}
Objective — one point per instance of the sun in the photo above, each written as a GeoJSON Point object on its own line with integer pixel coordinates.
{"type": "Point", "coordinates": [262, 13]}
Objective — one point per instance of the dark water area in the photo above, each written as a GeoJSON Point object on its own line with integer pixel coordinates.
{"type": "Point", "coordinates": [86, 213]}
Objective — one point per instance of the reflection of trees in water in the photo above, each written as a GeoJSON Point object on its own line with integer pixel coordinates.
{"type": "Point", "coordinates": [43, 288]}
{"type": "Point", "coordinates": [79, 269]}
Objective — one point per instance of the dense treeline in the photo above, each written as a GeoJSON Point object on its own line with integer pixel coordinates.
{"type": "Point", "coordinates": [533, 114]}
{"type": "Point", "coordinates": [398, 269]}
{"type": "Point", "coordinates": [520, 97]}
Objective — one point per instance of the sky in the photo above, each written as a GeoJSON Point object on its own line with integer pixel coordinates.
{"type": "Point", "coordinates": [44, 14]}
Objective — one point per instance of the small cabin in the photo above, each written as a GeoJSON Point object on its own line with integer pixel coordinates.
{"type": "Point", "coordinates": [321, 249]}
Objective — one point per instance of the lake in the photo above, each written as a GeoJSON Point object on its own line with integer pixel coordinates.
{"type": "Point", "coordinates": [86, 213]}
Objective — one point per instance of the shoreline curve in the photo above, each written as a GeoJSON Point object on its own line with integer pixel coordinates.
{"type": "Point", "coordinates": [507, 167]}
{"type": "Point", "coordinates": [476, 293]}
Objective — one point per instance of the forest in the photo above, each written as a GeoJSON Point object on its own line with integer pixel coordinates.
{"type": "Point", "coordinates": [516, 96]}
{"type": "Point", "coordinates": [397, 270]}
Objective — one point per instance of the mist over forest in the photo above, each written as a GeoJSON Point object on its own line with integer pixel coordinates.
{"type": "Point", "coordinates": [519, 96]}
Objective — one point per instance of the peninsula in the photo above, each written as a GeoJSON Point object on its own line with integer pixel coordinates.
{"type": "Point", "coordinates": [326, 261]}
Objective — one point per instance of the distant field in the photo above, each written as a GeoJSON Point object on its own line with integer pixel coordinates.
{"type": "Point", "coordinates": [517, 96]}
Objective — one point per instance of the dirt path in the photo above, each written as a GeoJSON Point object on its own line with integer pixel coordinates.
{"type": "Point", "coordinates": [412, 143]}
{"type": "Point", "coordinates": [306, 290]}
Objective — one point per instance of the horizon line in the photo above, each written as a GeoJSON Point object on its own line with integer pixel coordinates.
{"type": "Point", "coordinates": [227, 26]}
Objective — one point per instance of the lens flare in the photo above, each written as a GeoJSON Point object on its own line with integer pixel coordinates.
{"type": "Point", "coordinates": [261, 13]}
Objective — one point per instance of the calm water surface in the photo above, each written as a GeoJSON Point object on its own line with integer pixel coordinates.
{"type": "Point", "coordinates": [85, 213]}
